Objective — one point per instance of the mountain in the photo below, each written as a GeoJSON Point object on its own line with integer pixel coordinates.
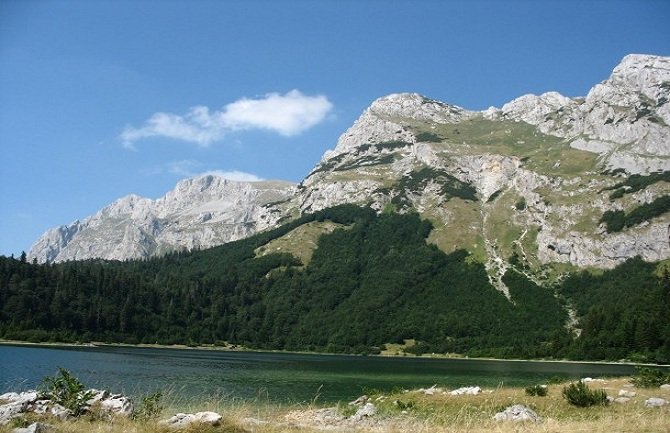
{"type": "Point", "coordinates": [542, 182]}
{"type": "Point", "coordinates": [199, 213]}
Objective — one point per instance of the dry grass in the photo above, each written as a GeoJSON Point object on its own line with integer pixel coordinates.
{"type": "Point", "coordinates": [300, 242]}
{"type": "Point", "coordinates": [440, 413]}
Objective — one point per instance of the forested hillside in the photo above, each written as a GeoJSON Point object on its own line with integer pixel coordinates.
{"type": "Point", "coordinates": [373, 281]}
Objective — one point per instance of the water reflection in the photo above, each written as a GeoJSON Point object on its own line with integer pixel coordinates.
{"type": "Point", "coordinates": [281, 377]}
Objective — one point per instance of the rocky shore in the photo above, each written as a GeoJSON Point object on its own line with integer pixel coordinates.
{"type": "Point", "coordinates": [435, 408]}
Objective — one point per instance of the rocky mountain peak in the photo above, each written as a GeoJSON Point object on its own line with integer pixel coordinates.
{"type": "Point", "coordinates": [641, 71]}
{"type": "Point", "coordinates": [200, 212]}
{"type": "Point", "coordinates": [624, 118]}
{"type": "Point", "coordinates": [416, 106]}
{"type": "Point", "coordinates": [382, 121]}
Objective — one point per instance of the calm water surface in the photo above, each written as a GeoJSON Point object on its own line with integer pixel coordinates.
{"type": "Point", "coordinates": [277, 377]}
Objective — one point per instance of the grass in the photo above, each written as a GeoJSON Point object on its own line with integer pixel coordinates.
{"type": "Point", "coordinates": [462, 229]}
{"type": "Point", "coordinates": [545, 154]}
{"type": "Point", "coordinates": [300, 242]}
{"type": "Point", "coordinates": [415, 411]}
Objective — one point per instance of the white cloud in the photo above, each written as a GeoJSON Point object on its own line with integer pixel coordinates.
{"type": "Point", "coordinates": [288, 114]}
{"type": "Point", "coordinates": [236, 175]}
{"type": "Point", "coordinates": [193, 168]}
{"type": "Point", "coordinates": [184, 168]}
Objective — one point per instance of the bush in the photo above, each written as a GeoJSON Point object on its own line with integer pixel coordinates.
{"type": "Point", "coordinates": [520, 204]}
{"type": "Point", "coordinates": [580, 395]}
{"type": "Point", "coordinates": [428, 137]}
{"type": "Point", "coordinates": [66, 390]}
{"type": "Point", "coordinates": [650, 378]}
{"type": "Point", "coordinates": [537, 390]}
{"type": "Point", "coordinates": [556, 380]}
{"type": "Point", "coordinates": [150, 407]}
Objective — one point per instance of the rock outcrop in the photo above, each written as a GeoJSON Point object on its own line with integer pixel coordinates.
{"type": "Point", "coordinates": [517, 412]}
{"type": "Point", "coordinates": [184, 420]}
{"type": "Point", "coordinates": [103, 402]}
{"type": "Point", "coordinates": [624, 119]}
{"type": "Point", "coordinates": [656, 402]}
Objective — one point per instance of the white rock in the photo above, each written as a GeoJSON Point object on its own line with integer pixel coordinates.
{"type": "Point", "coordinates": [60, 412]}
{"type": "Point", "coordinates": [625, 393]}
{"type": "Point", "coordinates": [22, 397]}
{"type": "Point", "coordinates": [366, 411]}
{"type": "Point", "coordinates": [11, 410]}
{"type": "Point", "coordinates": [655, 402]}
{"type": "Point", "coordinates": [466, 390]}
{"type": "Point", "coordinates": [36, 427]}
{"type": "Point", "coordinates": [182, 420]}
{"type": "Point", "coordinates": [665, 387]}
{"type": "Point", "coordinates": [117, 405]}
{"type": "Point", "coordinates": [518, 412]}
{"type": "Point", "coordinates": [621, 400]}
{"type": "Point", "coordinates": [9, 397]}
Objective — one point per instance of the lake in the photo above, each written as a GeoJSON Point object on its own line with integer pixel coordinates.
{"type": "Point", "coordinates": [274, 377]}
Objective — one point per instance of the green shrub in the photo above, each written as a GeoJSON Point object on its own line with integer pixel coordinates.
{"type": "Point", "coordinates": [66, 390]}
{"type": "Point", "coordinates": [537, 390]}
{"type": "Point", "coordinates": [405, 405]}
{"type": "Point", "coordinates": [617, 220]}
{"type": "Point", "coordinates": [428, 137]}
{"type": "Point", "coordinates": [521, 204]}
{"type": "Point", "coordinates": [556, 380]}
{"type": "Point", "coordinates": [150, 407]}
{"type": "Point", "coordinates": [580, 395]}
{"type": "Point", "coordinates": [650, 378]}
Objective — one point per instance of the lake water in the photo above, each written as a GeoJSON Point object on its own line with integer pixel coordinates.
{"type": "Point", "coordinates": [275, 377]}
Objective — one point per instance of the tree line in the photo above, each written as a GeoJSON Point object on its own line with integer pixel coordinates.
{"type": "Point", "coordinates": [374, 282]}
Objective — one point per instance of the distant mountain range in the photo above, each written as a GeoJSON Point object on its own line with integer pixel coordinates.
{"type": "Point", "coordinates": [542, 182]}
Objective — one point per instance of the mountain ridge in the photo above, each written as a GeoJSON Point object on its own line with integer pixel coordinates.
{"type": "Point", "coordinates": [540, 167]}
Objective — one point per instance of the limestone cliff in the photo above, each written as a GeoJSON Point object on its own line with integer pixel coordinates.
{"type": "Point", "coordinates": [199, 212]}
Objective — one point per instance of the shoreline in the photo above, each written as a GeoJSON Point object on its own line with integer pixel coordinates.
{"type": "Point", "coordinates": [433, 409]}
{"type": "Point", "coordinates": [237, 348]}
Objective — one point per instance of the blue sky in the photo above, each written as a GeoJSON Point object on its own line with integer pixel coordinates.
{"type": "Point", "coordinates": [100, 99]}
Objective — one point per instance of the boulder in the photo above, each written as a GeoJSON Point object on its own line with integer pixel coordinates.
{"type": "Point", "coordinates": [621, 400]}
{"type": "Point", "coordinates": [117, 404]}
{"type": "Point", "coordinates": [366, 411]}
{"type": "Point", "coordinates": [466, 390]}
{"type": "Point", "coordinates": [98, 395]}
{"type": "Point", "coordinates": [664, 387]}
{"type": "Point", "coordinates": [655, 402]}
{"type": "Point", "coordinates": [22, 397]}
{"type": "Point", "coordinates": [518, 412]}
{"type": "Point", "coordinates": [60, 412]}
{"type": "Point", "coordinates": [182, 420]}
{"type": "Point", "coordinates": [36, 427]}
{"type": "Point", "coordinates": [628, 394]}
{"type": "Point", "coordinates": [11, 410]}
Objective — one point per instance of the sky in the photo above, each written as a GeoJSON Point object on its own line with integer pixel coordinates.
{"type": "Point", "coordinates": [101, 99]}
